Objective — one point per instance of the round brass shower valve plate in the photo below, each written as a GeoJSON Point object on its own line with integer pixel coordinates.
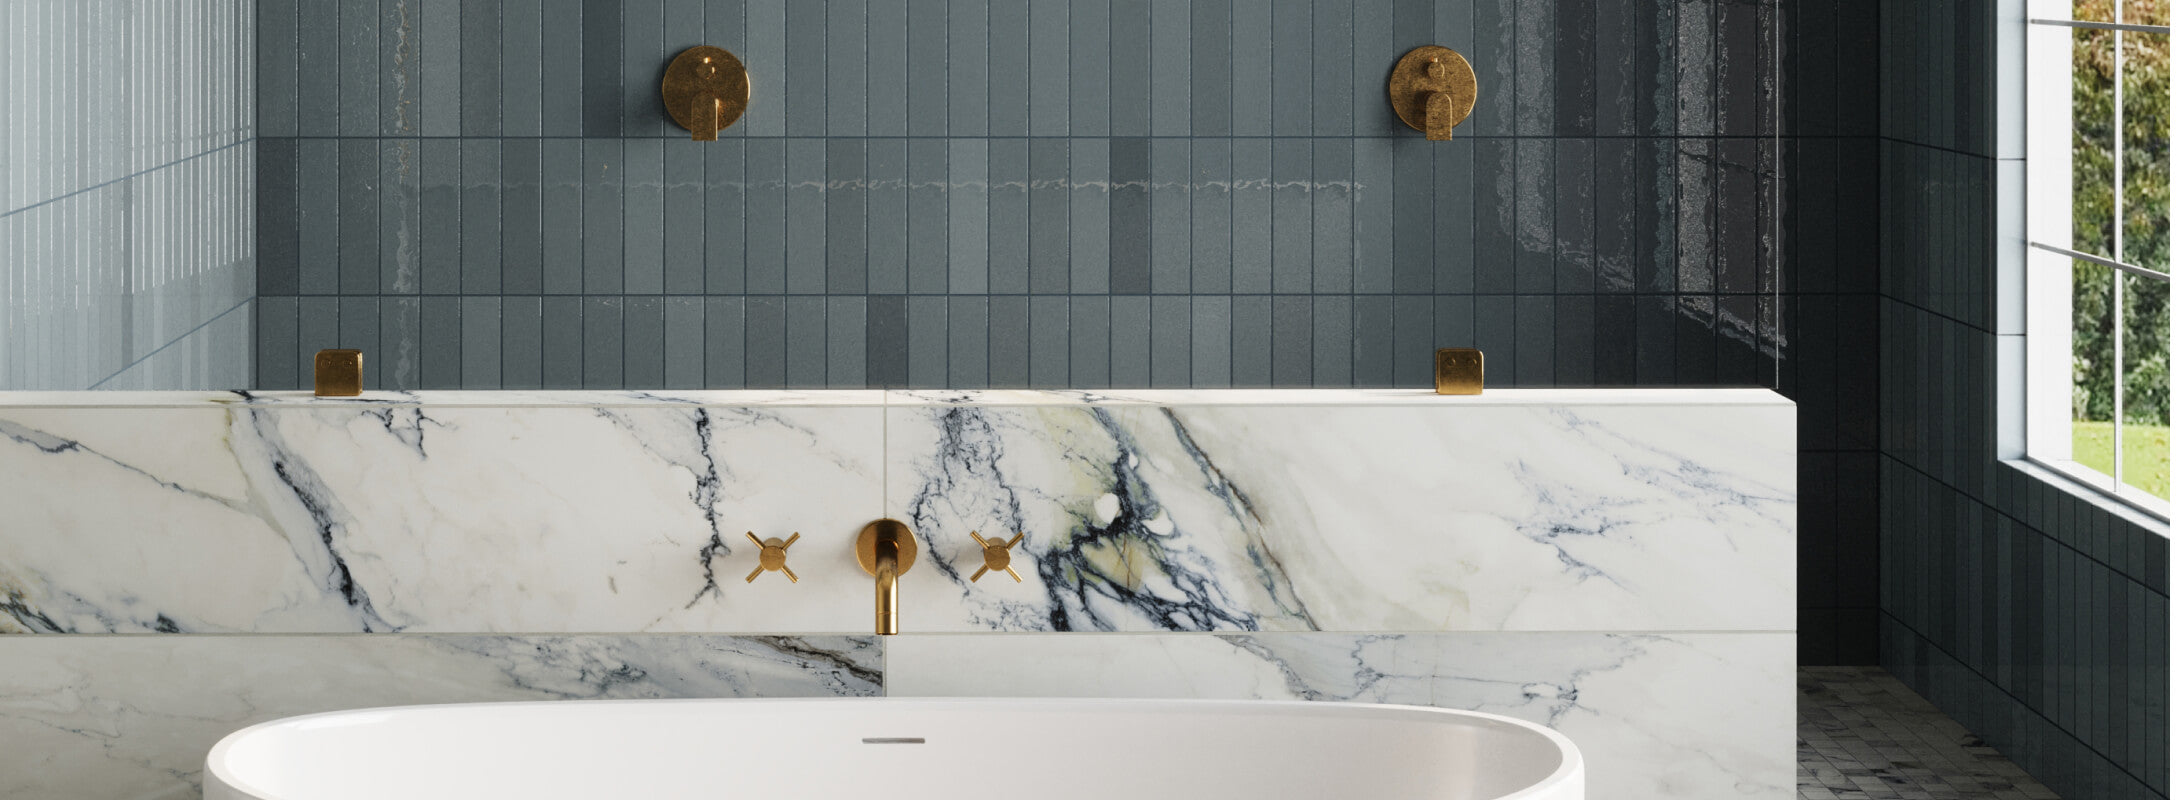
{"type": "Point", "coordinates": [706, 68]}
{"type": "Point", "coordinates": [898, 532]}
{"type": "Point", "coordinates": [1430, 69]}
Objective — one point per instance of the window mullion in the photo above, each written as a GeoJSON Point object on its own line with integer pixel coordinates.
{"type": "Point", "coordinates": [2115, 278]}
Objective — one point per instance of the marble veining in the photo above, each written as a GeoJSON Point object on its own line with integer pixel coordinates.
{"type": "Point", "coordinates": [1168, 518]}
{"type": "Point", "coordinates": [1616, 564]}
{"type": "Point", "coordinates": [427, 518]}
{"type": "Point", "coordinates": [1656, 715]}
{"type": "Point", "coordinates": [80, 718]}
{"type": "Point", "coordinates": [404, 514]}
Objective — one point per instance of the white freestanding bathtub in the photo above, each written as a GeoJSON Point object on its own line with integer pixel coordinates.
{"type": "Point", "coordinates": [869, 749]}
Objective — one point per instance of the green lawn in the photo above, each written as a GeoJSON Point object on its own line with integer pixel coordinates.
{"type": "Point", "coordinates": [2145, 452]}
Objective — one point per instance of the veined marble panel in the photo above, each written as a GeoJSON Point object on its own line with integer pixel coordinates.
{"type": "Point", "coordinates": [100, 717]}
{"type": "Point", "coordinates": [467, 399]}
{"type": "Point", "coordinates": [1689, 716]}
{"type": "Point", "coordinates": [315, 517]}
{"type": "Point", "coordinates": [1396, 515]}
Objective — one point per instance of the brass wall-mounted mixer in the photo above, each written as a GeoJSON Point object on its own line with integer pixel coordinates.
{"type": "Point", "coordinates": [886, 548]}
{"type": "Point", "coordinates": [706, 90]}
{"type": "Point", "coordinates": [1433, 89]}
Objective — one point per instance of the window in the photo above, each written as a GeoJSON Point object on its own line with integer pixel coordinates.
{"type": "Point", "coordinates": [2096, 271]}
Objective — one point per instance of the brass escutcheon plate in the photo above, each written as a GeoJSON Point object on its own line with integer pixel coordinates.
{"type": "Point", "coordinates": [865, 544]}
{"type": "Point", "coordinates": [687, 76]}
{"type": "Point", "coordinates": [1410, 85]}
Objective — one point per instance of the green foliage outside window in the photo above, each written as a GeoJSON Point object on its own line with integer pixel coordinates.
{"type": "Point", "coordinates": [2145, 214]}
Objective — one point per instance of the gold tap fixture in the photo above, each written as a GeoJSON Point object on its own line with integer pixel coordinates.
{"type": "Point", "coordinates": [1433, 89]}
{"type": "Point", "coordinates": [706, 90]}
{"type": "Point", "coordinates": [339, 373]}
{"type": "Point", "coordinates": [1458, 371]}
{"type": "Point", "coordinates": [996, 555]}
{"type": "Point", "coordinates": [886, 549]}
{"type": "Point", "coordinates": [773, 558]}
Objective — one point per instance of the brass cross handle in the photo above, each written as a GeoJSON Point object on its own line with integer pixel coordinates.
{"type": "Point", "coordinates": [773, 558]}
{"type": "Point", "coordinates": [996, 555]}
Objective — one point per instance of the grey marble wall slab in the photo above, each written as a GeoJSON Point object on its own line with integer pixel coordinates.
{"type": "Point", "coordinates": [102, 716]}
{"type": "Point", "coordinates": [1647, 711]}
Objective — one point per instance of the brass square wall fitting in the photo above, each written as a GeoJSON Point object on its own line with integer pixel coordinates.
{"type": "Point", "coordinates": [1458, 371]}
{"type": "Point", "coordinates": [339, 373]}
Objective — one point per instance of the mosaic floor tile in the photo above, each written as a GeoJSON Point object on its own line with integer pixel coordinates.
{"type": "Point", "coordinates": [1862, 735]}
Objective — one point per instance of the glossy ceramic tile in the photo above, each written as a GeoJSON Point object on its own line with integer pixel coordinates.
{"type": "Point", "coordinates": [127, 249]}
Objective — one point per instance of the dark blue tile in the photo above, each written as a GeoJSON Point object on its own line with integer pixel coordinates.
{"type": "Point", "coordinates": [480, 67]}
{"type": "Point", "coordinates": [480, 216]}
{"type": "Point", "coordinates": [846, 243]}
{"type": "Point", "coordinates": [846, 326]}
{"type": "Point", "coordinates": [1130, 239]}
{"type": "Point", "coordinates": [601, 87]}
{"type": "Point", "coordinates": [522, 216]}
{"type": "Point", "coordinates": [279, 256]}
{"type": "Point", "coordinates": [562, 348]}
{"type": "Point", "coordinates": [1009, 332]}
{"type": "Point", "coordinates": [1211, 67]}
{"type": "Point", "coordinates": [604, 342]}
{"type": "Point", "coordinates": [807, 323]}
{"type": "Point", "coordinates": [887, 341]}
{"type": "Point", "coordinates": [1089, 357]}
{"type": "Point", "coordinates": [766, 343]}
{"type": "Point", "coordinates": [725, 342]}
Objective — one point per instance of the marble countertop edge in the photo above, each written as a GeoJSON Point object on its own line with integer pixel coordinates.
{"type": "Point", "coordinates": [820, 398]}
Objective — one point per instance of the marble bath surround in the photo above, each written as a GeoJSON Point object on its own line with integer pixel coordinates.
{"type": "Point", "coordinates": [1619, 564]}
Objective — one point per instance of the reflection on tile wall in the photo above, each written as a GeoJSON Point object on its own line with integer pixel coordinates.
{"type": "Point", "coordinates": [997, 192]}
{"type": "Point", "coordinates": [2034, 616]}
{"type": "Point", "coordinates": [126, 201]}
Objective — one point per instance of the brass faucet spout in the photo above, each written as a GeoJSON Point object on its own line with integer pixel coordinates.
{"type": "Point", "coordinates": [887, 589]}
{"type": "Point", "coordinates": [886, 549]}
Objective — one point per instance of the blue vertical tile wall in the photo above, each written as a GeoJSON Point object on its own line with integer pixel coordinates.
{"type": "Point", "coordinates": [2036, 617]}
{"type": "Point", "coordinates": [127, 221]}
{"type": "Point", "coordinates": [1119, 193]}
{"type": "Point", "coordinates": [1040, 164]}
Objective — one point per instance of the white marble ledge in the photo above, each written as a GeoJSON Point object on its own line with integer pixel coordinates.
{"type": "Point", "coordinates": [1658, 396]}
{"type": "Point", "coordinates": [451, 398]}
{"type": "Point", "coordinates": [913, 398]}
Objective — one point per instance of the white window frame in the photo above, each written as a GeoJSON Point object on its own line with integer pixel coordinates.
{"type": "Point", "coordinates": [2041, 84]}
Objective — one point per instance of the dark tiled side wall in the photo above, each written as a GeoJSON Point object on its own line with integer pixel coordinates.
{"type": "Point", "coordinates": [1124, 193]}
{"type": "Point", "coordinates": [2034, 618]}
{"type": "Point", "coordinates": [1831, 225]}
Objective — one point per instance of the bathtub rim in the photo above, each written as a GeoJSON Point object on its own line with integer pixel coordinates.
{"type": "Point", "coordinates": [1571, 764]}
